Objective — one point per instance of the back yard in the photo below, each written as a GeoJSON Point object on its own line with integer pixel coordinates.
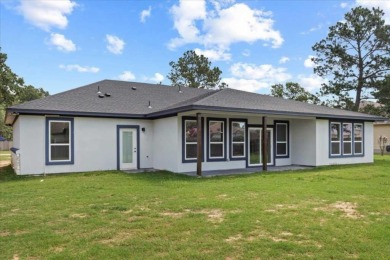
{"type": "Point", "coordinates": [332, 212]}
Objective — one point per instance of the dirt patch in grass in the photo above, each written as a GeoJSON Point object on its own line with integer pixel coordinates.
{"type": "Point", "coordinates": [234, 238]}
{"type": "Point", "coordinates": [172, 214]}
{"type": "Point", "coordinates": [214, 215]}
{"type": "Point", "coordinates": [81, 215]}
{"type": "Point", "coordinates": [348, 209]}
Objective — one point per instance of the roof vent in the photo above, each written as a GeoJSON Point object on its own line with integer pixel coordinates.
{"type": "Point", "coordinates": [134, 88]}
{"type": "Point", "coordinates": [101, 95]}
{"type": "Point", "coordinates": [180, 91]}
{"type": "Point", "coordinates": [99, 92]}
{"type": "Point", "coordinates": [149, 106]}
{"type": "Point", "coordinates": [107, 94]}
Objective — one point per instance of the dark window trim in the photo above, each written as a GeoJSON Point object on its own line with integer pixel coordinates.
{"type": "Point", "coordinates": [47, 143]}
{"type": "Point", "coordinates": [241, 158]}
{"type": "Point", "coordinates": [118, 128]}
{"type": "Point", "coordinates": [183, 141]}
{"type": "Point", "coordinates": [288, 138]}
{"type": "Point", "coordinates": [341, 122]}
{"type": "Point", "coordinates": [224, 139]}
{"type": "Point", "coordinates": [247, 141]}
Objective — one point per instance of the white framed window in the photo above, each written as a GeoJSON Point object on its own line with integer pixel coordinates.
{"type": "Point", "coordinates": [358, 138]}
{"type": "Point", "coordinates": [282, 139]}
{"type": "Point", "coordinates": [59, 141]}
{"type": "Point", "coordinates": [216, 138]}
{"type": "Point", "coordinates": [347, 138]}
{"type": "Point", "coordinates": [335, 138]}
{"type": "Point", "coordinates": [190, 139]}
{"type": "Point", "coordinates": [238, 137]}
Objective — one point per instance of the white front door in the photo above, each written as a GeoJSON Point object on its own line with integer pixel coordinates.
{"type": "Point", "coordinates": [128, 149]}
{"type": "Point", "coordinates": [254, 147]}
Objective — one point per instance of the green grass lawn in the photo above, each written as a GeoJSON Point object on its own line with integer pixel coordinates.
{"type": "Point", "coordinates": [333, 212]}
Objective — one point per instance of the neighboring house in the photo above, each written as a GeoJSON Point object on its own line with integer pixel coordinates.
{"type": "Point", "coordinates": [381, 129]}
{"type": "Point", "coordinates": [134, 126]}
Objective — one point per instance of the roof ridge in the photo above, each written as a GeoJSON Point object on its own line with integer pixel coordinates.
{"type": "Point", "coordinates": [182, 103]}
{"type": "Point", "coordinates": [212, 94]}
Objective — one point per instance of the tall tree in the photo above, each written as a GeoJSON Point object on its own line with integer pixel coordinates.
{"type": "Point", "coordinates": [382, 93]}
{"type": "Point", "coordinates": [195, 71]}
{"type": "Point", "coordinates": [355, 55]}
{"type": "Point", "coordinates": [292, 90]}
{"type": "Point", "coordinates": [13, 91]}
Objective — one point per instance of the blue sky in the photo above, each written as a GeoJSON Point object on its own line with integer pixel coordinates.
{"type": "Point", "coordinates": [62, 44]}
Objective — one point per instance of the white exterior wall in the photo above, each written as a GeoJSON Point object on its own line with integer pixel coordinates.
{"type": "Point", "coordinates": [166, 144]}
{"type": "Point", "coordinates": [303, 142]}
{"type": "Point", "coordinates": [95, 145]}
{"type": "Point", "coordinates": [322, 143]}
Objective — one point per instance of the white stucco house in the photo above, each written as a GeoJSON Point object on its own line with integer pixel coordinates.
{"type": "Point", "coordinates": [110, 125]}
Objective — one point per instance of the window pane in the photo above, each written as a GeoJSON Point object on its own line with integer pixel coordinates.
{"type": "Point", "coordinates": [191, 131]}
{"type": "Point", "coordinates": [358, 132]}
{"type": "Point", "coordinates": [335, 131]}
{"type": "Point", "coordinates": [59, 132]}
{"type": "Point", "coordinates": [347, 148]}
{"type": "Point", "coordinates": [358, 148]}
{"type": "Point", "coordinates": [335, 148]}
{"type": "Point", "coordinates": [216, 131]}
{"type": "Point", "coordinates": [216, 150]}
{"type": "Point", "coordinates": [281, 149]}
{"type": "Point", "coordinates": [347, 132]}
{"type": "Point", "coordinates": [238, 131]}
{"type": "Point", "coordinates": [127, 144]}
{"type": "Point", "coordinates": [191, 151]}
{"type": "Point", "coordinates": [238, 150]}
{"type": "Point", "coordinates": [59, 152]}
{"type": "Point", "coordinates": [281, 132]}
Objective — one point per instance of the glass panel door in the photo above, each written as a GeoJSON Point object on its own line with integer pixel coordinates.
{"type": "Point", "coordinates": [254, 147]}
{"type": "Point", "coordinates": [128, 149]}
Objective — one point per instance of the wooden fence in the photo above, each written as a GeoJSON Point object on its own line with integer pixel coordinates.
{"type": "Point", "coordinates": [5, 145]}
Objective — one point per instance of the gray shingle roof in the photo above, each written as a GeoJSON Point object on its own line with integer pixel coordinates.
{"type": "Point", "coordinates": [166, 100]}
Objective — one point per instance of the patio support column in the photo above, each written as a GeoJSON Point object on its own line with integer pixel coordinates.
{"type": "Point", "coordinates": [264, 142]}
{"type": "Point", "coordinates": [199, 146]}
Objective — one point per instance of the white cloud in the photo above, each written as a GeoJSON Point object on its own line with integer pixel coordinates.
{"type": "Point", "coordinates": [382, 4]}
{"type": "Point", "coordinates": [214, 55]}
{"type": "Point", "coordinates": [46, 14]}
{"type": "Point", "coordinates": [250, 85]}
{"type": "Point", "coordinates": [78, 68]}
{"type": "Point", "coordinates": [158, 77]}
{"type": "Point", "coordinates": [251, 77]}
{"type": "Point", "coordinates": [61, 43]}
{"type": "Point", "coordinates": [308, 63]}
{"type": "Point", "coordinates": [126, 76]}
{"type": "Point", "coordinates": [264, 72]}
{"type": "Point", "coordinates": [184, 17]}
{"type": "Point", "coordinates": [145, 14]}
{"type": "Point", "coordinates": [284, 59]}
{"type": "Point", "coordinates": [115, 44]}
{"type": "Point", "coordinates": [195, 24]}
{"type": "Point", "coordinates": [311, 82]}
{"type": "Point", "coordinates": [343, 5]}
